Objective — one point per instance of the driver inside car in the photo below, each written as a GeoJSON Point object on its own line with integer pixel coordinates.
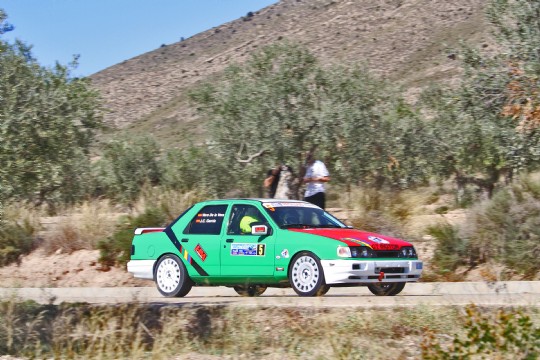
{"type": "Point", "coordinates": [245, 223]}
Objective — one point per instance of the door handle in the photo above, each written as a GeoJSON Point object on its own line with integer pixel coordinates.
{"type": "Point", "coordinates": [184, 240]}
{"type": "Point", "coordinates": [229, 240]}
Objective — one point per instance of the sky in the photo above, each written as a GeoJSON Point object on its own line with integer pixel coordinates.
{"type": "Point", "coordinates": [107, 32]}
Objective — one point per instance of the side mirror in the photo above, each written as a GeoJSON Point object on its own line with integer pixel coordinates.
{"type": "Point", "coordinates": [259, 229]}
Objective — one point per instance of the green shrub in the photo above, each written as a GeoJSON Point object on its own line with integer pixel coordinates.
{"type": "Point", "coordinates": [442, 210]}
{"type": "Point", "coordinates": [451, 249]}
{"type": "Point", "coordinates": [507, 229]}
{"type": "Point", "coordinates": [15, 241]}
{"type": "Point", "coordinates": [116, 249]}
{"type": "Point", "coordinates": [531, 186]}
{"type": "Point", "coordinates": [127, 164]}
{"type": "Point", "coordinates": [467, 197]}
{"type": "Point", "coordinates": [197, 168]}
{"type": "Point", "coordinates": [508, 335]}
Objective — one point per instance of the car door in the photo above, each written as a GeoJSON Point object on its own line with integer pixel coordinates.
{"type": "Point", "coordinates": [244, 254]}
{"type": "Point", "coordinates": [200, 240]}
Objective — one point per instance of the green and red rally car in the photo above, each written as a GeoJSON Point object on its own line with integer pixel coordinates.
{"type": "Point", "coordinates": [252, 244]}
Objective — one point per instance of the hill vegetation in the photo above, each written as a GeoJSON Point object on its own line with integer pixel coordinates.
{"type": "Point", "coordinates": [473, 137]}
{"type": "Point", "coordinates": [410, 43]}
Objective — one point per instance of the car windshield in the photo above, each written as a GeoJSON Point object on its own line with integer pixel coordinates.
{"type": "Point", "coordinates": [301, 215]}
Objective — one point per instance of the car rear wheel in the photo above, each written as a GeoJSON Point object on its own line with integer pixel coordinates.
{"type": "Point", "coordinates": [306, 275]}
{"type": "Point", "coordinates": [386, 289]}
{"type": "Point", "coordinates": [250, 290]}
{"type": "Point", "coordinates": [171, 277]}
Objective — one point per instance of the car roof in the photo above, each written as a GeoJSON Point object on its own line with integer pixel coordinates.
{"type": "Point", "coordinates": [261, 200]}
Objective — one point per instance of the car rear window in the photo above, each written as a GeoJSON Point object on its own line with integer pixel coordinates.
{"type": "Point", "coordinates": [208, 220]}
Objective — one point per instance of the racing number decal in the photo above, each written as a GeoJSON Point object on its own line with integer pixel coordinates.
{"type": "Point", "coordinates": [239, 249]}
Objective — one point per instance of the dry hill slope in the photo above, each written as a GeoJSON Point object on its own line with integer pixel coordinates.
{"type": "Point", "coordinates": [403, 40]}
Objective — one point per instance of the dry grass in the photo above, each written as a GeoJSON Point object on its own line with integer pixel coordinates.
{"type": "Point", "coordinates": [404, 214]}
{"type": "Point", "coordinates": [161, 332]}
{"type": "Point", "coordinates": [206, 332]}
{"type": "Point", "coordinates": [170, 202]}
{"type": "Point", "coordinates": [80, 227]}
{"type": "Point", "coordinates": [83, 226]}
{"type": "Point", "coordinates": [23, 215]}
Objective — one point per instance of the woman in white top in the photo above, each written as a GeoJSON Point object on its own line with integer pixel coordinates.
{"type": "Point", "coordinates": [315, 177]}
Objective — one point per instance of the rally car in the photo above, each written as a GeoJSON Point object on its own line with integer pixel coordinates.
{"type": "Point", "coordinates": [252, 244]}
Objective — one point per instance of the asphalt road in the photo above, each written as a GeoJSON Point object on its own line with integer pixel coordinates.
{"type": "Point", "coordinates": [512, 293]}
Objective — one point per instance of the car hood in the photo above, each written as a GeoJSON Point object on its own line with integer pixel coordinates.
{"type": "Point", "coordinates": [353, 237]}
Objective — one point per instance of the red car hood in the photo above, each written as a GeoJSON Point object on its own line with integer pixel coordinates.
{"type": "Point", "coordinates": [353, 237]}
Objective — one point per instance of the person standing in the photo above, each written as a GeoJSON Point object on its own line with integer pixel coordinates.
{"type": "Point", "coordinates": [315, 178]}
{"type": "Point", "coordinates": [271, 181]}
{"type": "Point", "coordinates": [281, 183]}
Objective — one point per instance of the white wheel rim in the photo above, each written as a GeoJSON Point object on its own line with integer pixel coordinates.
{"type": "Point", "coordinates": [168, 275]}
{"type": "Point", "coordinates": [305, 274]}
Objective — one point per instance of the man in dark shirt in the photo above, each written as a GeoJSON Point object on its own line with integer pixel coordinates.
{"type": "Point", "coordinates": [272, 180]}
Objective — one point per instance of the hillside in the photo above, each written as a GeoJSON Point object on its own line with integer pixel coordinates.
{"type": "Point", "coordinates": [405, 41]}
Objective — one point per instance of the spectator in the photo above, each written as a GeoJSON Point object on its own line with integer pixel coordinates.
{"type": "Point", "coordinates": [315, 177]}
{"type": "Point", "coordinates": [286, 184]}
{"type": "Point", "coordinates": [271, 181]}
{"type": "Point", "coordinates": [281, 183]}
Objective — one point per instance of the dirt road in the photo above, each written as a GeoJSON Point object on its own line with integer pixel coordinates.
{"type": "Point", "coordinates": [512, 293]}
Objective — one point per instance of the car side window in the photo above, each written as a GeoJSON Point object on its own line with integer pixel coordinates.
{"type": "Point", "coordinates": [241, 217]}
{"type": "Point", "coordinates": [208, 220]}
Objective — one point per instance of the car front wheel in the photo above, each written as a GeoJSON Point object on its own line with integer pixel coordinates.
{"type": "Point", "coordinates": [171, 277]}
{"type": "Point", "coordinates": [306, 275]}
{"type": "Point", "coordinates": [386, 289]}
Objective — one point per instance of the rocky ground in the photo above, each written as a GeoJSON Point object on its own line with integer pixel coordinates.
{"type": "Point", "coordinates": [80, 268]}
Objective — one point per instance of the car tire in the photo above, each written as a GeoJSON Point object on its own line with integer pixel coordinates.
{"type": "Point", "coordinates": [171, 277]}
{"type": "Point", "coordinates": [306, 275]}
{"type": "Point", "coordinates": [250, 290]}
{"type": "Point", "coordinates": [386, 289]}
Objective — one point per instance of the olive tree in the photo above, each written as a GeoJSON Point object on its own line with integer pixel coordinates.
{"type": "Point", "coordinates": [47, 123]}
{"type": "Point", "coordinates": [372, 135]}
{"type": "Point", "coordinates": [4, 25]}
{"type": "Point", "coordinates": [282, 103]}
{"type": "Point", "coordinates": [264, 112]}
{"type": "Point", "coordinates": [194, 168]}
{"type": "Point", "coordinates": [476, 138]}
{"type": "Point", "coordinates": [517, 25]}
{"type": "Point", "coordinates": [127, 164]}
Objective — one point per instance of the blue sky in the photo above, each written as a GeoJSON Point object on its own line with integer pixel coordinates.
{"type": "Point", "coordinates": [106, 32]}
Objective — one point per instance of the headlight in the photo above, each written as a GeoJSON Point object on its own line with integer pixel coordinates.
{"type": "Point", "coordinates": [364, 252]}
{"type": "Point", "coordinates": [343, 251]}
{"type": "Point", "coordinates": [361, 252]}
{"type": "Point", "coordinates": [407, 252]}
{"type": "Point", "coordinates": [355, 252]}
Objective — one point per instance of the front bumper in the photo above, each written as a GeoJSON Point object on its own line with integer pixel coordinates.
{"type": "Point", "coordinates": [142, 269]}
{"type": "Point", "coordinates": [371, 271]}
